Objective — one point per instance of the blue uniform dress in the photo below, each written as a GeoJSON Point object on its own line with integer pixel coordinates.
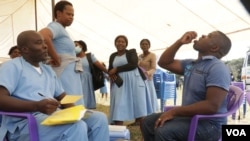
{"type": "Point", "coordinates": [151, 98]}
{"type": "Point", "coordinates": [128, 101]}
{"type": "Point", "coordinates": [64, 45]}
{"type": "Point", "coordinates": [87, 83]}
{"type": "Point", "coordinates": [152, 105]}
{"type": "Point", "coordinates": [24, 82]}
{"type": "Point", "coordinates": [148, 64]}
{"type": "Point", "coordinates": [104, 89]}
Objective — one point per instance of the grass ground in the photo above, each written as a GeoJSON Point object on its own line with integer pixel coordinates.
{"type": "Point", "coordinates": [135, 134]}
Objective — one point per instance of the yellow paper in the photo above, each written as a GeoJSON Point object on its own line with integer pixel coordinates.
{"type": "Point", "coordinates": [65, 116]}
{"type": "Point", "coordinates": [68, 99]}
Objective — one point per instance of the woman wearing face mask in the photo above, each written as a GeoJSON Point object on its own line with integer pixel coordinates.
{"type": "Point", "coordinates": [86, 77]}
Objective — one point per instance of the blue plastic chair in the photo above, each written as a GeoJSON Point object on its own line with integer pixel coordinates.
{"type": "Point", "coordinates": [32, 124]}
{"type": "Point", "coordinates": [169, 86]}
{"type": "Point", "coordinates": [33, 129]}
{"type": "Point", "coordinates": [157, 79]}
{"type": "Point", "coordinates": [165, 86]}
{"type": "Point", "coordinates": [234, 100]}
{"type": "Point", "coordinates": [168, 90]}
{"type": "Point", "coordinates": [241, 85]}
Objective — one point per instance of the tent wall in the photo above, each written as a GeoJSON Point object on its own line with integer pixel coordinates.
{"type": "Point", "coordinates": [15, 17]}
{"type": "Point", "coordinates": [98, 22]}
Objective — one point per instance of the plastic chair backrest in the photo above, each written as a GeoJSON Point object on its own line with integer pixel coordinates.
{"type": "Point", "coordinates": [239, 84]}
{"type": "Point", "coordinates": [157, 79]}
{"type": "Point", "coordinates": [169, 77]}
{"type": "Point", "coordinates": [234, 101]}
{"type": "Point", "coordinates": [157, 83]}
{"type": "Point", "coordinates": [169, 86]}
{"type": "Point", "coordinates": [32, 124]}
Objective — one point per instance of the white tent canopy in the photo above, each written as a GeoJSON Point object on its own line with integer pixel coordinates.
{"type": "Point", "coordinates": [98, 22]}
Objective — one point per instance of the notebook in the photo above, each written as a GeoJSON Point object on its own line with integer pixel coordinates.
{"type": "Point", "coordinates": [65, 116]}
{"type": "Point", "coordinates": [68, 115]}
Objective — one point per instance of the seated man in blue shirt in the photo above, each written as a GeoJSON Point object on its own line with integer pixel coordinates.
{"type": "Point", "coordinates": [206, 84]}
{"type": "Point", "coordinates": [28, 85]}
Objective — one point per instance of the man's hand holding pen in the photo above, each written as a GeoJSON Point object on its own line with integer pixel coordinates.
{"type": "Point", "coordinates": [47, 105]}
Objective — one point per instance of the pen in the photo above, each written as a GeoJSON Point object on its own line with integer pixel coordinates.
{"type": "Point", "coordinates": [41, 94]}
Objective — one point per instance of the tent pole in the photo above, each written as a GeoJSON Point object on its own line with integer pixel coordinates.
{"type": "Point", "coordinates": [35, 15]}
{"type": "Point", "coordinates": [52, 6]}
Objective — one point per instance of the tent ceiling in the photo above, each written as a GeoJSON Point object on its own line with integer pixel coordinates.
{"type": "Point", "coordinates": [98, 22]}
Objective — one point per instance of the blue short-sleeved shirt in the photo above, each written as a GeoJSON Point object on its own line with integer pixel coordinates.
{"type": "Point", "coordinates": [61, 40]}
{"type": "Point", "coordinates": [200, 74]}
{"type": "Point", "coordinates": [23, 81]}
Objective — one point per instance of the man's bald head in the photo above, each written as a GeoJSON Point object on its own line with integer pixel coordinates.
{"type": "Point", "coordinates": [24, 37]}
{"type": "Point", "coordinates": [32, 47]}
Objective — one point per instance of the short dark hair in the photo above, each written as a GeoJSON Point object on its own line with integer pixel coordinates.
{"type": "Point", "coordinates": [147, 40]}
{"type": "Point", "coordinates": [60, 6]}
{"type": "Point", "coordinates": [122, 36]}
{"type": "Point", "coordinates": [224, 42]}
{"type": "Point", "coordinates": [12, 49]}
{"type": "Point", "coordinates": [83, 44]}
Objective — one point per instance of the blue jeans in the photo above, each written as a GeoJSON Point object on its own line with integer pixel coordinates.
{"type": "Point", "coordinates": [177, 129]}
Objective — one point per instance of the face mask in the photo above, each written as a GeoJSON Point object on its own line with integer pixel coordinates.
{"type": "Point", "coordinates": [78, 49]}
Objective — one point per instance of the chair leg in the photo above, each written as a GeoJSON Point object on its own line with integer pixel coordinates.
{"type": "Point", "coordinates": [163, 102]}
